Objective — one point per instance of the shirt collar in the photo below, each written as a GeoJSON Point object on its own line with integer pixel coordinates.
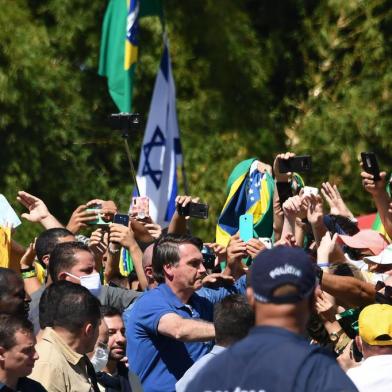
{"type": "Point", "coordinates": [171, 297]}
{"type": "Point", "coordinates": [70, 355]}
{"type": "Point", "coordinates": [217, 349]}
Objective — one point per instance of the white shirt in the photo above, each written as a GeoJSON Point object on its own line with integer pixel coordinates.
{"type": "Point", "coordinates": [373, 375]}
{"type": "Point", "coordinates": [188, 376]}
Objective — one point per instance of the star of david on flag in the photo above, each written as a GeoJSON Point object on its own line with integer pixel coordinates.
{"type": "Point", "coordinates": [161, 150]}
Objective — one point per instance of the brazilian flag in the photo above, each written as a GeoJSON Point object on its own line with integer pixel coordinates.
{"type": "Point", "coordinates": [249, 192]}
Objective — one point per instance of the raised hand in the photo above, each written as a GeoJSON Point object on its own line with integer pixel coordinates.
{"type": "Point", "coordinates": [253, 247]}
{"type": "Point", "coordinates": [282, 177]}
{"type": "Point", "coordinates": [37, 208]}
{"type": "Point", "coordinates": [334, 199]}
{"type": "Point", "coordinates": [374, 187]}
{"type": "Point", "coordinates": [80, 218]}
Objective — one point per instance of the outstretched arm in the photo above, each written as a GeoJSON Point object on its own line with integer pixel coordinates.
{"type": "Point", "coordinates": [186, 330]}
{"type": "Point", "coordinates": [38, 212]}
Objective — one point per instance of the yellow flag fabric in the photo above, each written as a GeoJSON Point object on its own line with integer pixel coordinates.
{"type": "Point", "coordinates": [5, 246]}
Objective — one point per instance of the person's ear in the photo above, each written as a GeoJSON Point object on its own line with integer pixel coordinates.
{"type": "Point", "coordinates": [250, 296]}
{"type": "Point", "coordinates": [45, 260]}
{"type": "Point", "coordinates": [358, 342]}
{"type": "Point", "coordinates": [63, 276]}
{"type": "Point", "coordinates": [148, 272]}
{"type": "Point", "coordinates": [88, 329]}
{"type": "Point", "coordinates": [2, 351]}
{"type": "Point", "coordinates": [168, 270]}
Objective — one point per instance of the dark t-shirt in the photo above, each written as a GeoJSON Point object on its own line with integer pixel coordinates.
{"type": "Point", "coordinates": [272, 359]}
{"type": "Point", "coordinates": [24, 385]}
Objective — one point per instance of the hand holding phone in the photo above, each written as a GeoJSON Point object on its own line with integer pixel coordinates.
{"type": "Point", "coordinates": [140, 207]}
{"type": "Point", "coordinates": [370, 164]}
{"type": "Point", "coordinates": [194, 210]}
{"type": "Point", "coordinates": [300, 164]}
{"type": "Point", "coordinates": [122, 219]}
{"type": "Point", "coordinates": [246, 227]}
{"type": "Point", "coordinates": [310, 190]}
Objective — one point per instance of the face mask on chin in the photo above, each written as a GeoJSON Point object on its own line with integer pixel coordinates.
{"type": "Point", "coordinates": [90, 282]}
{"type": "Point", "coordinates": [100, 358]}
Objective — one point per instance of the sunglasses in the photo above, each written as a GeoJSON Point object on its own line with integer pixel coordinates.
{"type": "Point", "coordinates": [381, 285]}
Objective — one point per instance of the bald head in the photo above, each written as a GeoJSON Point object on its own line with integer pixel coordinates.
{"type": "Point", "coordinates": [147, 256]}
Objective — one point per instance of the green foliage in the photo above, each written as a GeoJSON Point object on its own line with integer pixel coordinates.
{"type": "Point", "coordinates": [253, 78]}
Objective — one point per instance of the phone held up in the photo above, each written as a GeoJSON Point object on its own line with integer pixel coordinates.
{"type": "Point", "coordinates": [140, 207]}
{"type": "Point", "coordinates": [194, 210]}
{"type": "Point", "coordinates": [99, 221]}
{"type": "Point", "coordinates": [208, 257]}
{"type": "Point", "coordinates": [300, 164]}
{"type": "Point", "coordinates": [246, 227]}
{"type": "Point", "coordinates": [370, 164]}
{"type": "Point", "coordinates": [122, 219]}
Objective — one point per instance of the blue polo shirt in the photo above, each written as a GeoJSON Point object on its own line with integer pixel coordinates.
{"type": "Point", "coordinates": [158, 360]}
{"type": "Point", "coordinates": [272, 359]}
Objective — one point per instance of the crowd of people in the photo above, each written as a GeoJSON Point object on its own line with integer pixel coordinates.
{"type": "Point", "coordinates": [303, 305]}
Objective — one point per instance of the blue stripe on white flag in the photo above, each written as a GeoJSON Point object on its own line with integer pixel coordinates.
{"type": "Point", "coordinates": [161, 150]}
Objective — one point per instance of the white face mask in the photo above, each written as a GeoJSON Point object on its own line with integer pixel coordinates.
{"type": "Point", "coordinates": [90, 282]}
{"type": "Point", "coordinates": [100, 357]}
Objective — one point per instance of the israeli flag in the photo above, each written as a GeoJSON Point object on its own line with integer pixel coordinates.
{"type": "Point", "coordinates": [161, 151]}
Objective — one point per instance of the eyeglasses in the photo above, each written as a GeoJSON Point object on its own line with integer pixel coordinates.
{"type": "Point", "coordinates": [381, 285]}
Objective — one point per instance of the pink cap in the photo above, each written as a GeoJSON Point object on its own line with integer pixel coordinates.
{"type": "Point", "coordinates": [365, 239]}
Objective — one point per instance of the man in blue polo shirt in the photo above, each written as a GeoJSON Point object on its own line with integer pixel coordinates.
{"type": "Point", "coordinates": [275, 356]}
{"type": "Point", "coordinates": [170, 327]}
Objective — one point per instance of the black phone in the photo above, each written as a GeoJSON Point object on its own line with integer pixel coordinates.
{"type": "Point", "coordinates": [370, 164]}
{"type": "Point", "coordinates": [300, 164]}
{"type": "Point", "coordinates": [122, 219]}
{"type": "Point", "coordinates": [208, 257]}
{"type": "Point", "coordinates": [194, 210]}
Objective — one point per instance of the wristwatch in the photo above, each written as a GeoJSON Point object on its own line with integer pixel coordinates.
{"type": "Point", "coordinates": [334, 336]}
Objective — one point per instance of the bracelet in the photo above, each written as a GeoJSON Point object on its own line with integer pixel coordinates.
{"type": "Point", "coordinates": [28, 269]}
{"type": "Point", "coordinates": [28, 274]}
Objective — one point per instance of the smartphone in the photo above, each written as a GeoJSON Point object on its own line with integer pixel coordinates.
{"type": "Point", "coordinates": [370, 164]}
{"type": "Point", "coordinates": [194, 210]}
{"type": "Point", "coordinates": [97, 209]}
{"type": "Point", "coordinates": [246, 227]}
{"type": "Point", "coordinates": [7, 214]}
{"type": "Point", "coordinates": [122, 219]}
{"type": "Point", "coordinates": [208, 257]}
{"type": "Point", "coordinates": [140, 207]}
{"type": "Point", "coordinates": [266, 241]}
{"type": "Point", "coordinates": [310, 190]}
{"type": "Point", "coordinates": [300, 164]}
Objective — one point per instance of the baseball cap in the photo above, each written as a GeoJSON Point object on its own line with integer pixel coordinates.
{"type": "Point", "coordinates": [365, 239]}
{"type": "Point", "coordinates": [276, 267]}
{"type": "Point", "coordinates": [375, 325]}
{"type": "Point", "coordinates": [385, 257]}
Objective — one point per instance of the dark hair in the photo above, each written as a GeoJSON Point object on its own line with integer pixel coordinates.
{"type": "Point", "coordinates": [76, 306]}
{"type": "Point", "coordinates": [166, 252]}
{"type": "Point", "coordinates": [63, 257]}
{"type": "Point", "coordinates": [5, 275]}
{"type": "Point", "coordinates": [49, 302]}
{"type": "Point", "coordinates": [47, 241]}
{"type": "Point", "coordinates": [233, 318]}
{"type": "Point", "coordinates": [110, 311]}
{"type": "Point", "coordinates": [9, 325]}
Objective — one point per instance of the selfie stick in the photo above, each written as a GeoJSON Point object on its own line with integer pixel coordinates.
{"type": "Point", "coordinates": [133, 173]}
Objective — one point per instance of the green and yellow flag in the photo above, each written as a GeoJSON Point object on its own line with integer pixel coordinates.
{"type": "Point", "coordinates": [119, 46]}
